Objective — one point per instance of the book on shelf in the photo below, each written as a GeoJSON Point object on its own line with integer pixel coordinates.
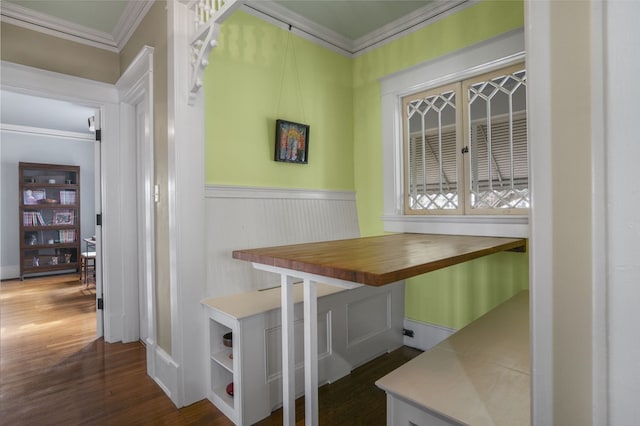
{"type": "Point", "coordinates": [67, 235]}
{"type": "Point", "coordinates": [67, 196]}
{"type": "Point", "coordinates": [32, 219]}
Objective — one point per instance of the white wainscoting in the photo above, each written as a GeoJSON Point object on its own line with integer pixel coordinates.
{"type": "Point", "coordinates": [425, 335]}
{"type": "Point", "coordinates": [165, 372]}
{"type": "Point", "coordinates": [249, 217]}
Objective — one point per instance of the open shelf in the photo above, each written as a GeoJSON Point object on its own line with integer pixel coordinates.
{"type": "Point", "coordinates": [223, 358]}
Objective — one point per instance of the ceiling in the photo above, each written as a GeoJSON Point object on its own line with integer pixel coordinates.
{"type": "Point", "coordinates": [349, 26]}
{"type": "Point", "coordinates": [21, 111]}
{"type": "Point", "coordinates": [101, 15]}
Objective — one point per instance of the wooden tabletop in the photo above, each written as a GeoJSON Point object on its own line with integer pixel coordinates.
{"type": "Point", "coordinates": [382, 259]}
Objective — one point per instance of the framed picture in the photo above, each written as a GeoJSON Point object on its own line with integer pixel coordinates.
{"type": "Point", "coordinates": [63, 217]}
{"type": "Point", "coordinates": [34, 196]}
{"type": "Point", "coordinates": [292, 142]}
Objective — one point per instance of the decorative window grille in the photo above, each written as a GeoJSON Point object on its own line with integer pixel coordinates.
{"type": "Point", "coordinates": [431, 146]}
{"type": "Point", "coordinates": [488, 126]}
{"type": "Point", "coordinates": [497, 139]}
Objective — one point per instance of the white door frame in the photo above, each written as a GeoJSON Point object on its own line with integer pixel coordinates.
{"type": "Point", "coordinates": [136, 97]}
{"type": "Point", "coordinates": [97, 205]}
{"type": "Point", "coordinates": [116, 232]}
{"type": "Point", "coordinates": [187, 243]}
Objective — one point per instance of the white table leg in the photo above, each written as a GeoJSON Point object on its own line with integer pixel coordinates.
{"type": "Point", "coordinates": [310, 340]}
{"type": "Point", "coordinates": [288, 354]}
{"type": "Point", "coordinates": [310, 353]}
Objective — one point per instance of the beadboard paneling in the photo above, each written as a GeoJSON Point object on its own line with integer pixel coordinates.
{"type": "Point", "coordinates": [247, 217]}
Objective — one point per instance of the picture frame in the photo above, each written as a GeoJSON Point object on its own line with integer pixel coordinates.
{"type": "Point", "coordinates": [64, 217]}
{"type": "Point", "coordinates": [292, 142]}
{"type": "Point", "coordinates": [33, 196]}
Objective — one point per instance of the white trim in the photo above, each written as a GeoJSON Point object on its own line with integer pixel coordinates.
{"type": "Point", "coordinates": [495, 226]}
{"type": "Point", "coordinates": [165, 373]}
{"type": "Point", "coordinates": [538, 39]}
{"type": "Point", "coordinates": [425, 335]}
{"type": "Point", "coordinates": [501, 51]}
{"type": "Point", "coordinates": [54, 133]}
{"type": "Point", "coordinates": [51, 84]}
{"type": "Point", "coordinates": [136, 74]}
{"type": "Point", "coordinates": [136, 87]}
{"type": "Point", "coordinates": [133, 14]}
{"type": "Point", "coordinates": [9, 272]}
{"type": "Point", "coordinates": [104, 97]}
{"type": "Point", "coordinates": [186, 209]}
{"type": "Point", "coordinates": [418, 19]}
{"type": "Point", "coordinates": [621, 106]}
{"type": "Point", "coordinates": [599, 254]}
{"type": "Point", "coordinates": [282, 17]}
{"type": "Point", "coordinates": [98, 187]}
{"type": "Point", "coordinates": [50, 25]}
{"type": "Point", "coordinates": [252, 192]}
{"type": "Point", "coordinates": [131, 17]}
{"type": "Point", "coordinates": [497, 52]}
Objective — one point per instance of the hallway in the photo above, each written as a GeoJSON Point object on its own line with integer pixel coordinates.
{"type": "Point", "coordinates": [54, 371]}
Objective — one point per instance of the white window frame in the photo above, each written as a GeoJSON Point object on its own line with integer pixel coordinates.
{"type": "Point", "coordinates": [504, 50]}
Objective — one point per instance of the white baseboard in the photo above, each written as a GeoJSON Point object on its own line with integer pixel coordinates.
{"type": "Point", "coordinates": [9, 272]}
{"type": "Point", "coordinates": [112, 327]}
{"type": "Point", "coordinates": [425, 335]}
{"type": "Point", "coordinates": [165, 372]}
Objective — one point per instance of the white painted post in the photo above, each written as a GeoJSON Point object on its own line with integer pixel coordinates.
{"type": "Point", "coordinates": [288, 353]}
{"type": "Point", "coordinates": [310, 353]}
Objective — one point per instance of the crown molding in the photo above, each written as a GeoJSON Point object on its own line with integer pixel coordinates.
{"type": "Point", "coordinates": [30, 130]}
{"type": "Point", "coordinates": [269, 11]}
{"type": "Point", "coordinates": [133, 14]}
{"type": "Point", "coordinates": [131, 17]}
{"type": "Point", "coordinates": [409, 23]}
{"type": "Point", "coordinates": [276, 14]}
{"type": "Point", "coordinates": [279, 15]}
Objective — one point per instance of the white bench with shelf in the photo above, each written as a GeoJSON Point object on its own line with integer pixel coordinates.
{"type": "Point", "coordinates": [347, 337]}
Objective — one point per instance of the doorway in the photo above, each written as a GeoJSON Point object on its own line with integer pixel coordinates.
{"type": "Point", "coordinates": [43, 130]}
{"type": "Point", "coordinates": [117, 237]}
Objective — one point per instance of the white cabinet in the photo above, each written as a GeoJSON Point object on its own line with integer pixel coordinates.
{"type": "Point", "coordinates": [221, 366]}
{"type": "Point", "coordinates": [354, 326]}
{"type": "Point", "coordinates": [240, 365]}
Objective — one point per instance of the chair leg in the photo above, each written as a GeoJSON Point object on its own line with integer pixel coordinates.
{"type": "Point", "coordinates": [86, 272]}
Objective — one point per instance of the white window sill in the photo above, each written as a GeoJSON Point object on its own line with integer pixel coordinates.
{"type": "Point", "coordinates": [494, 226]}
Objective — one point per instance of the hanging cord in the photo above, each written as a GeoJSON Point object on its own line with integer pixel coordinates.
{"type": "Point", "coordinates": [284, 70]}
{"type": "Point", "coordinates": [295, 64]}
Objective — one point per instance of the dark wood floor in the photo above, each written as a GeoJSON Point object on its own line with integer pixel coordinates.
{"type": "Point", "coordinates": [54, 371]}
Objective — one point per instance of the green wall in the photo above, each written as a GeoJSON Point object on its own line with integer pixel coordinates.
{"type": "Point", "coordinates": [472, 25]}
{"type": "Point", "coordinates": [340, 99]}
{"type": "Point", "coordinates": [253, 80]}
{"type": "Point", "coordinates": [454, 296]}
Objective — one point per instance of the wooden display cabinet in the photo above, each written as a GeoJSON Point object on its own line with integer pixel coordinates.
{"type": "Point", "coordinates": [49, 215]}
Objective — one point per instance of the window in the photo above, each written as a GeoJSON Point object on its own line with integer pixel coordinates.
{"type": "Point", "coordinates": [465, 146]}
